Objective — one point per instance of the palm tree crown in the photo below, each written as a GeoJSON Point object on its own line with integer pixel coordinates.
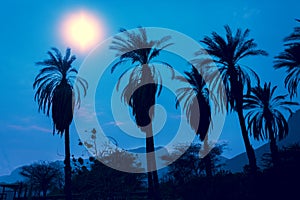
{"type": "Point", "coordinates": [290, 60]}
{"type": "Point", "coordinates": [265, 115]}
{"type": "Point", "coordinates": [196, 102]}
{"type": "Point", "coordinates": [145, 80]}
{"type": "Point", "coordinates": [227, 53]}
{"type": "Point", "coordinates": [55, 88]}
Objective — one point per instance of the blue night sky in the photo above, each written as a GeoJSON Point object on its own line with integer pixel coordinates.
{"type": "Point", "coordinates": [30, 28]}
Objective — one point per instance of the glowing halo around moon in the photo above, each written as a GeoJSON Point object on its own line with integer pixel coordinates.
{"type": "Point", "coordinates": [81, 30]}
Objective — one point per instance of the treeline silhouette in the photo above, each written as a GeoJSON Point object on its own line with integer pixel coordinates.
{"type": "Point", "coordinates": [273, 182]}
{"type": "Point", "coordinates": [186, 178]}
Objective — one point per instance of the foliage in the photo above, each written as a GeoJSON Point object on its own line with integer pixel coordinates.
{"type": "Point", "coordinates": [189, 165]}
{"type": "Point", "coordinates": [294, 37]}
{"type": "Point", "coordinates": [103, 182]}
{"type": "Point", "coordinates": [43, 177]}
{"type": "Point", "coordinates": [227, 52]}
{"type": "Point", "coordinates": [265, 109]}
{"type": "Point", "coordinates": [55, 85]}
{"type": "Point", "coordinates": [196, 99]}
{"type": "Point", "coordinates": [145, 82]}
{"type": "Point", "coordinates": [290, 60]}
{"type": "Point", "coordinates": [271, 183]}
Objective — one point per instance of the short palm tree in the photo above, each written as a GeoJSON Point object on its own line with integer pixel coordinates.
{"type": "Point", "coordinates": [143, 87]}
{"type": "Point", "coordinates": [197, 107]}
{"type": "Point", "coordinates": [290, 60]}
{"type": "Point", "coordinates": [265, 118]}
{"type": "Point", "coordinates": [55, 90]}
{"type": "Point", "coordinates": [227, 53]}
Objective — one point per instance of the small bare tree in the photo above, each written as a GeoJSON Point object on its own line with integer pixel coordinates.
{"type": "Point", "coordinates": [42, 176]}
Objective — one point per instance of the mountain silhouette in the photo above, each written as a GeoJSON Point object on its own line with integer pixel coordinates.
{"type": "Point", "coordinates": [237, 163]}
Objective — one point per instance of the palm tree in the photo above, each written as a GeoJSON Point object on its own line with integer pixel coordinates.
{"type": "Point", "coordinates": [197, 107]}
{"type": "Point", "coordinates": [144, 86]}
{"type": "Point", "coordinates": [265, 119]}
{"type": "Point", "coordinates": [290, 60]}
{"type": "Point", "coordinates": [55, 90]}
{"type": "Point", "coordinates": [226, 54]}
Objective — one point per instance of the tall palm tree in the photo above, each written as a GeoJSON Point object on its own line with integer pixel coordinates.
{"type": "Point", "coordinates": [290, 60]}
{"type": "Point", "coordinates": [144, 86]}
{"type": "Point", "coordinates": [227, 53]}
{"type": "Point", "coordinates": [55, 90]}
{"type": "Point", "coordinates": [197, 107]}
{"type": "Point", "coordinates": [265, 119]}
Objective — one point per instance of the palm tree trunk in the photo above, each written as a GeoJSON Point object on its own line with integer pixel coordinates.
{"type": "Point", "coordinates": [153, 183]}
{"type": "Point", "coordinates": [207, 160]}
{"type": "Point", "coordinates": [44, 194]}
{"type": "Point", "coordinates": [273, 146]}
{"type": "Point", "coordinates": [149, 174]}
{"type": "Point", "coordinates": [248, 146]}
{"type": "Point", "coordinates": [274, 152]}
{"type": "Point", "coordinates": [68, 191]}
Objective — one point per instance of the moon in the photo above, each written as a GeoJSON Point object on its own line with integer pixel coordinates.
{"type": "Point", "coordinates": [81, 30]}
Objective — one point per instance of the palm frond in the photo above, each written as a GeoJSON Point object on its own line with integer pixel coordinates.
{"type": "Point", "coordinates": [264, 117]}
{"type": "Point", "coordinates": [138, 51]}
{"type": "Point", "coordinates": [293, 37]}
{"type": "Point", "coordinates": [196, 103]}
{"type": "Point", "coordinates": [290, 60]}
{"type": "Point", "coordinates": [54, 86]}
{"type": "Point", "coordinates": [227, 52]}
